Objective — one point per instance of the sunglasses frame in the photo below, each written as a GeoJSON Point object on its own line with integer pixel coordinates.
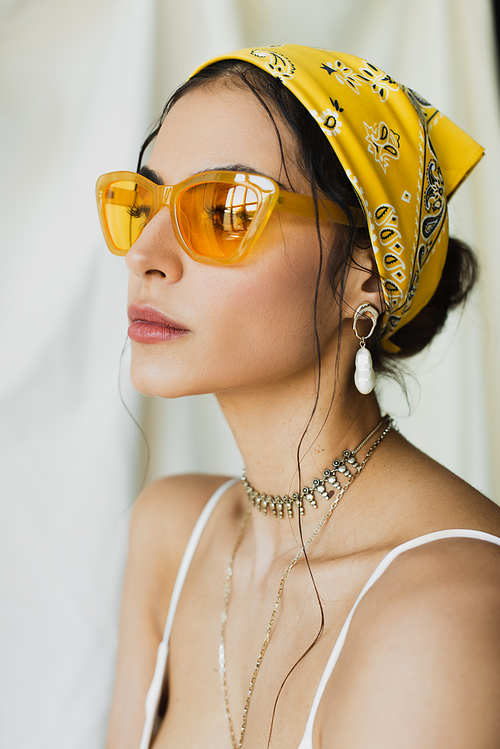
{"type": "Point", "coordinates": [271, 197]}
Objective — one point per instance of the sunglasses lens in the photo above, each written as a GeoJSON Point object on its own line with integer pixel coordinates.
{"type": "Point", "coordinates": [214, 218]}
{"type": "Point", "coordinates": [126, 208]}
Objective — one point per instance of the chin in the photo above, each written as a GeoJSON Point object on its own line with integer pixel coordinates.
{"type": "Point", "coordinates": [156, 375]}
{"type": "Point", "coordinates": [157, 384]}
{"type": "Point", "coordinates": [166, 379]}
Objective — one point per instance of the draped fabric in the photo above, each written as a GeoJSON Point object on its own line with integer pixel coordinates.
{"type": "Point", "coordinates": [67, 452]}
{"type": "Point", "coordinates": [80, 84]}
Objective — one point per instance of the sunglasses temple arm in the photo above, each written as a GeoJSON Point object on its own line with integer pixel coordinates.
{"type": "Point", "coordinates": [303, 205]}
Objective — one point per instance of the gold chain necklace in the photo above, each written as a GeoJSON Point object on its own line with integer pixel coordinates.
{"type": "Point", "coordinates": [227, 590]}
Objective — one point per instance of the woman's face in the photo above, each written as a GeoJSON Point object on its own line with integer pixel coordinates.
{"type": "Point", "coordinates": [245, 324]}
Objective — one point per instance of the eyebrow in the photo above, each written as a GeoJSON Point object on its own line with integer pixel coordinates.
{"type": "Point", "coordinates": [155, 177]}
{"type": "Point", "coordinates": [151, 175]}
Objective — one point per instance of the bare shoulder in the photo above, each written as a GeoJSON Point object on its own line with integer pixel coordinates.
{"type": "Point", "coordinates": [456, 576]}
{"type": "Point", "coordinates": [421, 662]}
{"type": "Point", "coordinates": [162, 521]}
{"type": "Point", "coordinates": [171, 506]}
{"type": "Point", "coordinates": [163, 518]}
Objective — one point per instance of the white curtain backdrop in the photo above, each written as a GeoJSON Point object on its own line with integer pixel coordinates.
{"type": "Point", "coordinates": [80, 83]}
{"type": "Point", "coordinates": [67, 445]}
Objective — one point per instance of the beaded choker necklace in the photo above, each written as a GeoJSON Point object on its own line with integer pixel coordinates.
{"type": "Point", "coordinates": [347, 466]}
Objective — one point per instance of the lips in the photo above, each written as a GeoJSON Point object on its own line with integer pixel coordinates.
{"type": "Point", "coordinates": [147, 325]}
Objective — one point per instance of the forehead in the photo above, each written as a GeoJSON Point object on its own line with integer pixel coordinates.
{"type": "Point", "coordinates": [220, 125]}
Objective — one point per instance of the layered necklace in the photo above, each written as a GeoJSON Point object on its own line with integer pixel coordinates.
{"type": "Point", "coordinates": [350, 469]}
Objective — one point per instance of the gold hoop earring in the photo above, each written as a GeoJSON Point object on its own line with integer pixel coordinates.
{"type": "Point", "coordinates": [364, 376]}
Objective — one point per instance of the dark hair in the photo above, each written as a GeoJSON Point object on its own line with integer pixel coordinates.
{"type": "Point", "coordinates": [320, 164]}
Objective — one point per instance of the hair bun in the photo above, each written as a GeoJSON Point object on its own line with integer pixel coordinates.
{"type": "Point", "coordinates": [459, 276]}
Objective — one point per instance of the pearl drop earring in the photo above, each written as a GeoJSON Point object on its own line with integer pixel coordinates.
{"type": "Point", "coordinates": [364, 376]}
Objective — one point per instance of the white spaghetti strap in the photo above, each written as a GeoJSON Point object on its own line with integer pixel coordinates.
{"type": "Point", "coordinates": [154, 692]}
{"type": "Point", "coordinates": [189, 553]}
{"type": "Point", "coordinates": [306, 742]}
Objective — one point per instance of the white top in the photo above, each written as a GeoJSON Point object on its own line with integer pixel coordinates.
{"type": "Point", "coordinates": [153, 696]}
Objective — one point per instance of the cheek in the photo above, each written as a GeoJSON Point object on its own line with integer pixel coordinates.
{"type": "Point", "coordinates": [265, 321]}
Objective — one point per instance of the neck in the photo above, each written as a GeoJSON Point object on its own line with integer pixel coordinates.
{"type": "Point", "coordinates": [274, 425]}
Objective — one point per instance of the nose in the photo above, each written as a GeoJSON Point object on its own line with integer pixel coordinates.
{"type": "Point", "coordinates": [157, 252]}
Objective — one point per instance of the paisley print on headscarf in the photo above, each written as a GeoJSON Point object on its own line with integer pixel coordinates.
{"type": "Point", "coordinates": [403, 157]}
{"type": "Point", "coordinates": [278, 65]}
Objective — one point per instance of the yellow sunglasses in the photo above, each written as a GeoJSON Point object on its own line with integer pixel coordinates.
{"type": "Point", "coordinates": [216, 216]}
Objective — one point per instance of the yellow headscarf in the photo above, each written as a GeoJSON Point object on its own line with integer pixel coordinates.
{"type": "Point", "coordinates": [403, 157]}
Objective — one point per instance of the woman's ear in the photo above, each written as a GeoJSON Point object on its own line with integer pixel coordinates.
{"type": "Point", "coordinates": [364, 281]}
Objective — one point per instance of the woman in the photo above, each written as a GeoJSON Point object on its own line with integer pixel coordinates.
{"type": "Point", "coordinates": [318, 603]}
